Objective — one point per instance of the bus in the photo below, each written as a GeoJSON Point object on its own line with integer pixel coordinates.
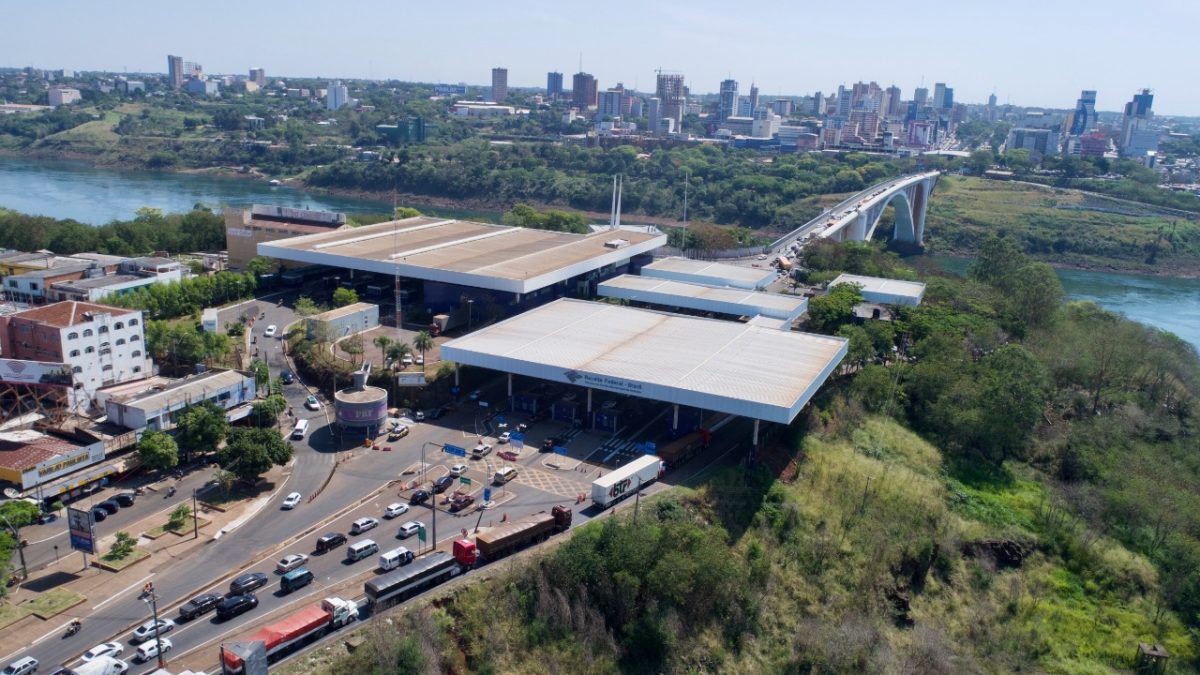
{"type": "Point", "coordinates": [423, 573]}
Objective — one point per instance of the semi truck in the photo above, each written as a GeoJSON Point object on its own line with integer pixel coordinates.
{"type": "Point", "coordinates": [500, 541]}
{"type": "Point", "coordinates": [294, 630]}
{"type": "Point", "coordinates": [620, 483]}
{"type": "Point", "coordinates": [684, 448]}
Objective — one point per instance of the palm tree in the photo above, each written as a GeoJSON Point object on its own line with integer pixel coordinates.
{"type": "Point", "coordinates": [423, 342]}
{"type": "Point", "coordinates": [382, 341]}
{"type": "Point", "coordinates": [398, 351]}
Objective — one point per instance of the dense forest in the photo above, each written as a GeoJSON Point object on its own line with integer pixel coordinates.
{"type": "Point", "coordinates": [1000, 482]}
{"type": "Point", "coordinates": [197, 230]}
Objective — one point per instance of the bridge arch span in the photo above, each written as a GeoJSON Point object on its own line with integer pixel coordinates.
{"type": "Point", "coordinates": [905, 227]}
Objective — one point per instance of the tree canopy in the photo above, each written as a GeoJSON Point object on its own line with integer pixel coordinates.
{"type": "Point", "coordinates": [158, 450]}
{"type": "Point", "coordinates": [252, 452]}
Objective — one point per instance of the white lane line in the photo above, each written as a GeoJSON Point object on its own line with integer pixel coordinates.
{"type": "Point", "coordinates": [119, 593]}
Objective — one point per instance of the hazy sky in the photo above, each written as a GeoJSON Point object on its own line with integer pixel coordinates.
{"type": "Point", "coordinates": [1028, 52]}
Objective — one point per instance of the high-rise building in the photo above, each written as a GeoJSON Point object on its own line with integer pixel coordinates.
{"type": "Point", "coordinates": [671, 95]}
{"type": "Point", "coordinates": [845, 98]}
{"type": "Point", "coordinates": [611, 103]}
{"type": "Point", "coordinates": [175, 71]}
{"type": "Point", "coordinates": [921, 97]}
{"type": "Point", "coordinates": [258, 76]}
{"type": "Point", "coordinates": [1036, 141]}
{"type": "Point", "coordinates": [753, 98]}
{"type": "Point", "coordinates": [337, 95]}
{"type": "Point", "coordinates": [818, 104]}
{"type": "Point", "coordinates": [947, 99]}
{"type": "Point", "coordinates": [939, 95]}
{"type": "Point", "coordinates": [499, 92]}
{"type": "Point", "coordinates": [727, 106]}
{"type": "Point", "coordinates": [1083, 117]}
{"type": "Point", "coordinates": [583, 91]}
{"type": "Point", "coordinates": [782, 107]}
{"type": "Point", "coordinates": [992, 100]}
{"type": "Point", "coordinates": [891, 97]}
{"type": "Point", "coordinates": [1137, 138]}
{"type": "Point", "coordinates": [654, 113]}
{"type": "Point", "coordinates": [554, 88]}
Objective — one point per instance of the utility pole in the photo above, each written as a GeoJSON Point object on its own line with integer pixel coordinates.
{"type": "Point", "coordinates": [195, 517]}
{"type": "Point", "coordinates": [148, 596]}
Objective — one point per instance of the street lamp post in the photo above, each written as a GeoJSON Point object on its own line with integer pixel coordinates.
{"type": "Point", "coordinates": [20, 547]}
{"type": "Point", "coordinates": [148, 596]}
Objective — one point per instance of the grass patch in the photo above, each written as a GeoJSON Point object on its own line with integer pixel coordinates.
{"type": "Point", "coordinates": [117, 565]}
{"type": "Point", "coordinates": [186, 528]}
{"type": "Point", "coordinates": [10, 614]}
{"type": "Point", "coordinates": [53, 603]}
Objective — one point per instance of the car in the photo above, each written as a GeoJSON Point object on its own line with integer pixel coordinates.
{"type": "Point", "coordinates": [290, 501]}
{"type": "Point", "coordinates": [481, 449]}
{"type": "Point", "coordinates": [201, 604]}
{"type": "Point", "coordinates": [330, 541]}
{"type": "Point", "coordinates": [458, 469]}
{"type": "Point", "coordinates": [98, 514]}
{"type": "Point", "coordinates": [461, 502]}
{"type": "Point", "coordinates": [419, 416]}
{"type": "Point", "coordinates": [395, 509]}
{"type": "Point", "coordinates": [419, 360]}
{"type": "Point", "coordinates": [109, 505]}
{"type": "Point", "coordinates": [22, 666]}
{"type": "Point", "coordinates": [290, 562]}
{"type": "Point", "coordinates": [287, 377]}
{"type": "Point", "coordinates": [504, 437]}
{"type": "Point", "coordinates": [550, 443]}
{"type": "Point", "coordinates": [409, 529]}
{"type": "Point", "coordinates": [362, 525]}
{"type": "Point", "coordinates": [400, 431]}
{"type": "Point", "coordinates": [248, 582]}
{"type": "Point", "coordinates": [113, 649]}
{"type": "Point", "coordinates": [510, 455]}
{"type": "Point", "coordinates": [150, 649]}
{"type": "Point", "coordinates": [312, 403]}
{"type": "Point", "coordinates": [151, 628]}
{"type": "Point", "coordinates": [406, 360]}
{"type": "Point", "coordinates": [125, 498]}
{"type": "Point", "coordinates": [419, 497]}
{"type": "Point", "coordinates": [236, 605]}
{"type": "Point", "coordinates": [475, 395]}
{"type": "Point", "coordinates": [270, 331]}
{"type": "Point", "coordinates": [504, 474]}
{"type": "Point", "coordinates": [762, 256]}
{"type": "Point", "coordinates": [442, 484]}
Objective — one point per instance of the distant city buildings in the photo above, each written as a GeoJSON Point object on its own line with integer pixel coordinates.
{"type": "Point", "coordinates": [671, 96]}
{"type": "Point", "coordinates": [499, 92]}
{"type": "Point", "coordinates": [1138, 140]}
{"type": "Point", "coordinates": [554, 85]}
{"type": "Point", "coordinates": [727, 105]}
{"type": "Point", "coordinates": [175, 75]}
{"type": "Point", "coordinates": [337, 96]}
{"type": "Point", "coordinates": [259, 77]}
{"type": "Point", "coordinates": [62, 96]}
{"type": "Point", "coordinates": [198, 87]}
{"type": "Point", "coordinates": [1083, 118]}
{"type": "Point", "coordinates": [1039, 142]}
{"type": "Point", "coordinates": [583, 91]}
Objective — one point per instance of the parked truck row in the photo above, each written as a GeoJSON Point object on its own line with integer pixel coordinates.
{"type": "Point", "coordinates": [276, 639]}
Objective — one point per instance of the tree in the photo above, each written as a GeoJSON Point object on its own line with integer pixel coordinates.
{"type": "Point", "coordinates": [252, 452]}
{"type": "Point", "coordinates": [397, 351]}
{"type": "Point", "coordinates": [1013, 390]}
{"type": "Point", "coordinates": [305, 306]}
{"type": "Point", "coordinates": [998, 258]}
{"type": "Point", "coordinates": [1034, 293]}
{"type": "Point", "coordinates": [981, 160]}
{"type": "Point", "coordinates": [382, 341]}
{"type": "Point", "coordinates": [178, 517]}
{"type": "Point", "coordinates": [1018, 160]}
{"type": "Point", "coordinates": [406, 212]}
{"type": "Point", "coordinates": [423, 342]}
{"type": "Point", "coordinates": [262, 374]}
{"type": "Point", "coordinates": [201, 428]}
{"type": "Point", "coordinates": [19, 513]}
{"type": "Point", "coordinates": [158, 450]}
{"type": "Point", "coordinates": [261, 264]}
{"type": "Point", "coordinates": [860, 351]}
{"type": "Point", "coordinates": [344, 296]}
{"type": "Point", "coordinates": [826, 313]}
{"type": "Point", "coordinates": [268, 410]}
{"type": "Point", "coordinates": [122, 546]}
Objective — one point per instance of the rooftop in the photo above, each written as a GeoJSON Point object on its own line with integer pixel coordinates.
{"type": "Point", "coordinates": [22, 450]}
{"type": "Point", "coordinates": [68, 313]}
{"type": "Point", "coordinates": [190, 388]}
{"type": "Point", "coordinates": [877, 285]}
{"type": "Point", "coordinates": [705, 272]}
{"type": "Point", "coordinates": [497, 257]}
{"type": "Point", "coordinates": [99, 282]}
{"type": "Point", "coordinates": [738, 368]}
{"type": "Point", "coordinates": [56, 270]}
{"type": "Point", "coordinates": [339, 312]}
{"type": "Point", "coordinates": [706, 298]}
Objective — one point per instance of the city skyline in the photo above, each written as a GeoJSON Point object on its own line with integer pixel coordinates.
{"type": "Point", "coordinates": [897, 48]}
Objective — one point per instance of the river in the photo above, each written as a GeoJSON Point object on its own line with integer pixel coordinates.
{"type": "Point", "coordinates": [65, 189]}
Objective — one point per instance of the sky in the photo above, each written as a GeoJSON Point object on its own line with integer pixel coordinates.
{"type": "Point", "coordinates": [1035, 53]}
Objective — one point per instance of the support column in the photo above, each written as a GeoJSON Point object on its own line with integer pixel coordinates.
{"type": "Point", "coordinates": [589, 400]}
{"type": "Point", "coordinates": [675, 417]}
{"type": "Point", "coordinates": [753, 459]}
{"type": "Point", "coordinates": [510, 381]}
{"type": "Point", "coordinates": [858, 229]}
{"type": "Point", "coordinates": [456, 374]}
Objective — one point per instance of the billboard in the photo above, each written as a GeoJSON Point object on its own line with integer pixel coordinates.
{"type": "Point", "coordinates": [36, 373]}
{"type": "Point", "coordinates": [410, 379]}
{"type": "Point", "coordinates": [79, 525]}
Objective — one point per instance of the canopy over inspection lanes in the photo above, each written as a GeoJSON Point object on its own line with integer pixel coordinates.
{"type": "Point", "coordinates": [741, 369]}
{"type": "Point", "coordinates": [495, 257]}
{"type": "Point", "coordinates": [735, 301]}
{"type": "Point", "coordinates": [710, 273]}
{"type": "Point", "coordinates": [884, 291]}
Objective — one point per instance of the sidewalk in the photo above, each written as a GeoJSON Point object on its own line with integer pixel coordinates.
{"type": "Point", "coordinates": [99, 586]}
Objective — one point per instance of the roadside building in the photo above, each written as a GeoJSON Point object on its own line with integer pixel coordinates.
{"type": "Point", "coordinates": [29, 459]}
{"type": "Point", "coordinates": [157, 407]}
{"type": "Point", "coordinates": [343, 321]}
{"type": "Point", "coordinates": [884, 291]}
{"type": "Point", "coordinates": [245, 229]}
{"type": "Point", "coordinates": [131, 275]}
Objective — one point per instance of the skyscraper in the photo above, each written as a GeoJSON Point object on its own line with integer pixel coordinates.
{"type": "Point", "coordinates": [499, 92]}
{"type": "Point", "coordinates": [654, 113]}
{"type": "Point", "coordinates": [1084, 117]}
{"type": "Point", "coordinates": [672, 99]}
{"type": "Point", "coordinates": [336, 95]}
{"type": "Point", "coordinates": [1137, 138]}
{"type": "Point", "coordinates": [753, 98]}
{"type": "Point", "coordinates": [727, 106]}
{"type": "Point", "coordinates": [583, 91]}
{"type": "Point", "coordinates": [891, 106]}
{"type": "Point", "coordinates": [554, 87]}
{"type": "Point", "coordinates": [947, 99]}
{"type": "Point", "coordinates": [175, 71]}
{"type": "Point", "coordinates": [258, 76]}
{"type": "Point", "coordinates": [610, 104]}
{"type": "Point", "coordinates": [939, 95]}
{"type": "Point", "coordinates": [921, 97]}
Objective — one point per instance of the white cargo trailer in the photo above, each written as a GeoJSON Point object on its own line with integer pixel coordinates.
{"type": "Point", "coordinates": [626, 480]}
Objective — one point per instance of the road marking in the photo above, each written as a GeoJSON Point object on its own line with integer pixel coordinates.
{"type": "Point", "coordinates": [114, 596]}
{"type": "Point", "coordinates": [53, 536]}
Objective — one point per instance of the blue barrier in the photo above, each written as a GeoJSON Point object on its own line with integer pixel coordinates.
{"type": "Point", "coordinates": [454, 450]}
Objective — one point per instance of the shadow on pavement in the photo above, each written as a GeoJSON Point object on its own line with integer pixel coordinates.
{"type": "Point", "coordinates": [50, 581]}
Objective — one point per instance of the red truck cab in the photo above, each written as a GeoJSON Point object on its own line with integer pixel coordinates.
{"type": "Point", "coordinates": [464, 552]}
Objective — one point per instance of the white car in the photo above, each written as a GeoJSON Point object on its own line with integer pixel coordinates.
{"type": "Point", "coordinates": [290, 562]}
{"type": "Point", "coordinates": [419, 415]}
{"type": "Point", "coordinates": [458, 469]}
{"type": "Point", "coordinates": [406, 360]}
{"type": "Point", "coordinates": [150, 649]}
{"type": "Point", "coordinates": [474, 396]}
{"type": "Point", "coordinates": [113, 649]}
{"type": "Point", "coordinates": [409, 529]}
{"type": "Point", "coordinates": [395, 509]}
{"type": "Point", "coordinates": [270, 331]}
{"type": "Point", "coordinates": [419, 360]}
{"type": "Point", "coordinates": [762, 256]}
{"type": "Point", "coordinates": [147, 630]}
{"type": "Point", "coordinates": [292, 500]}
{"type": "Point", "coordinates": [504, 437]}
{"type": "Point", "coordinates": [481, 450]}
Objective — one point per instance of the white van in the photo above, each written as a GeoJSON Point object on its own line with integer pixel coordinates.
{"type": "Point", "coordinates": [504, 474]}
{"type": "Point", "coordinates": [395, 558]}
{"type": "Point", "coordinates": [300, 429]}
{"type": "Point", "coordinates": [361, 549]}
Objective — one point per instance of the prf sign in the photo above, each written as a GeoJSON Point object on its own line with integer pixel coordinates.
{"type": "Point", "coordinates": [620, 488]}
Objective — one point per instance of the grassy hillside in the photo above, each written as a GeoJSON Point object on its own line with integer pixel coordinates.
{"type": "Point", "coordinates": [1059, 226]}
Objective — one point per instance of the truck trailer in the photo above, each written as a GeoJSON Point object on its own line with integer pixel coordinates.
{"type": "Point", "coordinates": [622, 482]}
{"type": "Point", "coordinates": [502, 540]}
{"type": "Point", "coordinates": [307, 624]}
{"type": "Point", "coordinates": [101, 665]}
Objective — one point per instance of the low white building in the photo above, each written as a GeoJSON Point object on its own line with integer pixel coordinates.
{"type": "Point", "coordinates": [63, 96]}
{"type": "Point", "coordinates": [481, 109]}
{"type": "Point", "coordinates": [884, 291]}
{"type": "Point", "coordinates": [157, 407]}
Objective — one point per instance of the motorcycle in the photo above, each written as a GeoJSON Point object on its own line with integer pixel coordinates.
{"type": "Point", "coordinates": [73, 628]}
{"type": "Point", "coordinates": [139, 491]}
{"type": "Point", "coordinates": [171, 492]}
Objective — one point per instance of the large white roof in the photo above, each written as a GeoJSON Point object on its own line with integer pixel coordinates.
{"type": "Point", "coordinates": [737, 368]}
{"type": "Point", "coordinates": [878, 289]}
{"type": "Point", "coordinates": [711, 273]}
{"type": "Point", "coordinates": [496, 257]}
{"type": "Point", "coordinates": [725, 300]}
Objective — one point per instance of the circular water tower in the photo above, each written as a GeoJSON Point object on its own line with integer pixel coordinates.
{"type": "Point", "coordinates": [360, 408]}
